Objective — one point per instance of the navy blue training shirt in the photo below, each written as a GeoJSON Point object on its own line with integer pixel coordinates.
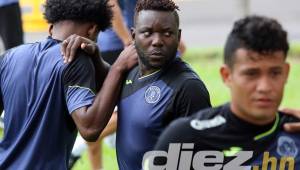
{"type": "Point", "coordinates": [38, 93]}
{"type": "Point", "coordinates": [148, 104]}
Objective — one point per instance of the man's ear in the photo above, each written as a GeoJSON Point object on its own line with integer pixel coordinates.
{"type": "Point", "coordinates": [93, 31]}
{"type": "Point", "coordinates": [179, 35]}
{"type": "Point", "coordinates": [286, 71]}
{"type": "Point", "coordinates": [226, 74]}
{"type": "Point", "coordinates": [50, 29]}
{"type": "Point", "coordinates": [132, 30]}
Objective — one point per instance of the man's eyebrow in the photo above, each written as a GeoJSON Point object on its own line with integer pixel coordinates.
{"type": "Point", "coordinates": [249, 69]}
{"type": "Point", "coordinates": [167, 28]}
{"type": "Point", "coordinates": [144, 27]}
{"type": "Point", "coordinates": [276, 68]}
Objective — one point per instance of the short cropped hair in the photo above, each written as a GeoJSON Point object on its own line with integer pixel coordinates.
{"type": "Point", "coordinates": [257, 33]}
{"type": "Point", "coordinates": [95, 11]}
{"type": "Point", "coordinates": [157, 5]}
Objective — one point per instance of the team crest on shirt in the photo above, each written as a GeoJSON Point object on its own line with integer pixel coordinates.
{"type": "Point", "coordinates": [286, 146]}
{"type": "Point", "coordinates": [152, 94]}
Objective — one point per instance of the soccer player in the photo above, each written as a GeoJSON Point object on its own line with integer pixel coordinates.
{"type": "Point", "coordinates": [255, 70]}
{"type": "Point", "coordinates": [160, 89]}
{"type": "Point", "coordinates": [111, 42]}
{"type": "Point", "coordinates": [46, 100]}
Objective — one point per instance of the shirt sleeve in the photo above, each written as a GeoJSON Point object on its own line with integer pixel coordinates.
{"type": "Point", "coordinates": [192, 97]}
{"type": "Point", "coordinates": [79, 83]}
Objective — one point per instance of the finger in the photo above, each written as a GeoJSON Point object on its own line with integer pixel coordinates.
{"type": "Point", "coordinates": [64, 45]}
{"type": "Point", "coordinates": [292, 127]}
{"type": "Point", "coordinates": [292, 112]}
{"type": "Point", "coordinates": [130, 49]}
{"type": "Point", "coordinates": [83, 46]}
{"type": "Point", "coordinates": [89, 48]}
{"type": "Point", "coordinates": [77, 44]}
{"type": "Point", "coordinates": [69, 47]}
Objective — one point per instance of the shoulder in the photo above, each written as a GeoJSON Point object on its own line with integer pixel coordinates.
{"type": "Point", "coordinates": [179, 73]}
{"type": "Point", "coordinates": [82, 61]}
{"type": "Point", "coordinates": [209, 113]}
{"type": "Point", "coordinates": [81, 67]}
{"type": "Point", "coordinates": [19, 52]}
{"type": "Point", "coordinates": [180, 67]}
{"type": "Point", "coordinates": [189, 129]}
{"type": "Point", "coordinates": [210, 117]}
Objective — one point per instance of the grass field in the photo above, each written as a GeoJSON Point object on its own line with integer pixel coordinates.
{"type": "Point", "coordinates": [207, 63]}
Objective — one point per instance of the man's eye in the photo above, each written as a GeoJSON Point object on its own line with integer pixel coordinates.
{"type": "Point", "coordinates": [251, 73]}
{"type": "Point", "coordinates": [168, 33]}
{"type": "Point", "coordinates": [146, 33]}
{"type": "Point", "coordinates": [276, 73]}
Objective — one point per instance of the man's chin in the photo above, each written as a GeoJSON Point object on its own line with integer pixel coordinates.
{"type": "Point", "coordinates": [157, 65]}
{"type": "Point", "coordinates": [265, 114]}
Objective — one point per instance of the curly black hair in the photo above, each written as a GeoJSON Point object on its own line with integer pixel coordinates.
{"type": "Point", "coordinates": [159, 5]}
{"type": "Point", "coordinates": [256, 33]}
{"type": "Point", "coordinates": [96, 11]}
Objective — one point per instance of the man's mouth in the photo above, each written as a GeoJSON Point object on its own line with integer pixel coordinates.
{"type": "Point", "coordinates": [157, 53]}
{"type": "Point", "coordinates": [264, 102]}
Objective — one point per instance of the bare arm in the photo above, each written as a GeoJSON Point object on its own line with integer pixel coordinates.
{"type": "Point", "coordinates": [92, 120]}
{"type": "Point", "coordinates": [119, 25]}
{"type": "Point", "coordinates": [111, 126]}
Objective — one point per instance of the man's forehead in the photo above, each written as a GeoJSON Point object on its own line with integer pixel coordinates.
{"type": "Point", "coordinates": [248, 58]}
{"type": "Point", "coordinates": [243, 54]}
{"type": "Point", "coordinates": [163, 17]}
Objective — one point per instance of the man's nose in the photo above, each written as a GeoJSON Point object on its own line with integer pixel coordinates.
{"type": "Point", "coordinates": [264, 85]}
{"type": "Point", "coordinates": [157, 40]}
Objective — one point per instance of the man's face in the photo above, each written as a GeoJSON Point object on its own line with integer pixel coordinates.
{"type": "Point", "coordinates": [156, 37]}
{"type": "Point", "coordinates": [256, 82]}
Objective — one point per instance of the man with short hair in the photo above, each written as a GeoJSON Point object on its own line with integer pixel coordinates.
{"type": "Point", "coordinates": [160, 89]}
{"type": "Point", "coordinates": [255, 70]}
{"type": "Point", "coordinates": [46, 100]}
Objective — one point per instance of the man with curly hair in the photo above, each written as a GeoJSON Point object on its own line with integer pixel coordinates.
{"type": "Point", "coordinates": [46, 100]}
{"type": "Point", "coordinates": [255, 70]}
{"type": "Point", "coordinates": [160, 89]}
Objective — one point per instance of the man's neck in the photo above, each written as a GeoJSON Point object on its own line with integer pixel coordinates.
{"type": "Point", "coordinates": [145, 71]}
{"type": "Point", "coordinates": [62, 30]}
{"type": "Point", "coordinates": [251, 119]}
